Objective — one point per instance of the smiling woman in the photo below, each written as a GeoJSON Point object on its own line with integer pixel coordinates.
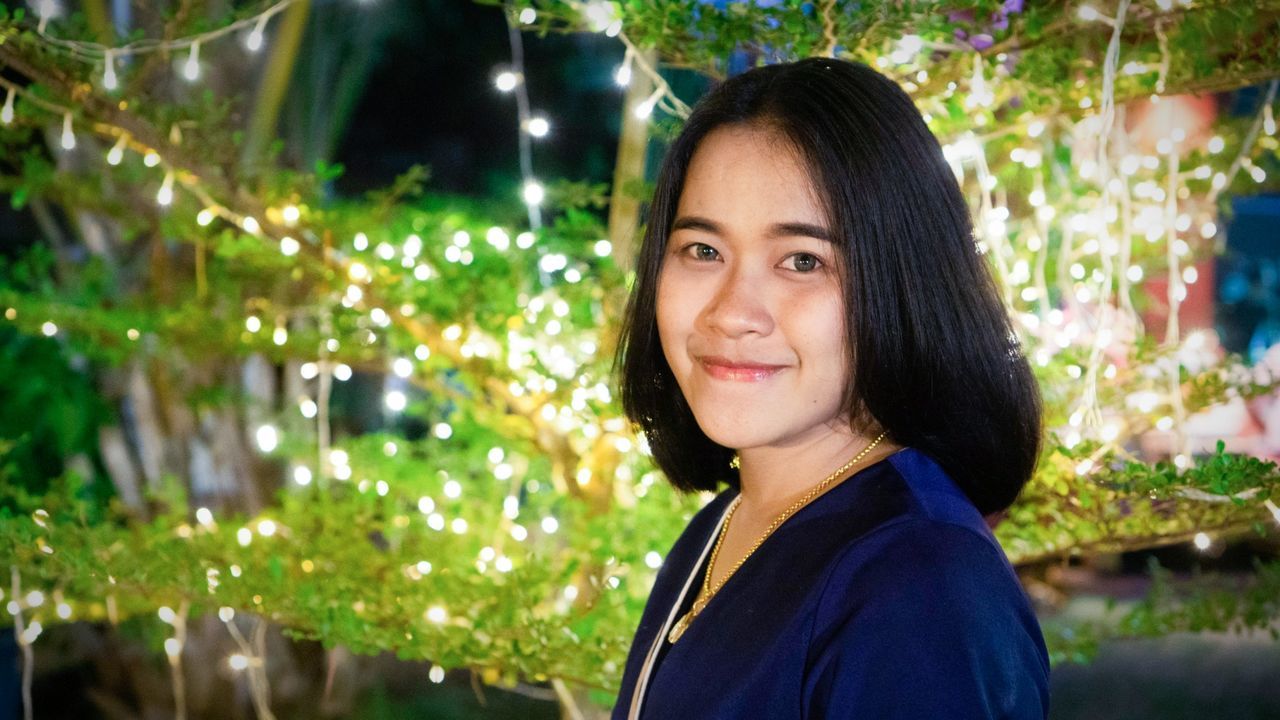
{"type": "Point", "coordinates": [812, 327]}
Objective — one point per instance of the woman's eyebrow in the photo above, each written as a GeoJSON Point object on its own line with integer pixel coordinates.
{"type": "Point", "coordinates": [776, 230]}
{"type": "Point", "coordinates": [799, 229]}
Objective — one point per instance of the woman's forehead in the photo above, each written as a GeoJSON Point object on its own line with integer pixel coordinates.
{"type": "Point", "coordinates": [749, 175]}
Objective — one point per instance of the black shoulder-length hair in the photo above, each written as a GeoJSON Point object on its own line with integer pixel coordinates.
{"type": "Point", "coordinates": [933, 356]}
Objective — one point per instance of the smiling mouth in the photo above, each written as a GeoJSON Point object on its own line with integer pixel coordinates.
{"type": "Point", "coordinates": [722, 369]}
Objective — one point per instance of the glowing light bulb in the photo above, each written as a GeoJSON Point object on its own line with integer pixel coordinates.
{"type": "Point", "coordinates": [250, 225]}
{"type": "Point", "coordinates": [402, 367]}
{"type": "Point", "coordinates": [645, 108]}
{"type": "Point", "coordinates": [6, 114]}
{"type": "Point", "coordinates": [68, 137]}
{"type": "Point", "coordinates": [109, 79]}
{"type": "Point", "coordinates": [622, 76]}
{"type": "Point", "coordinates": [395, 401]}
{"type": "Point", "coordinates": [191, 68]}
{"type": "Point", "coordinates": [254, 40]}
{"type": "Point", "coordinates": [116, 154]}
{"type": "Point", "coordinates": [506, 81]}
{"type": "Point", "coordinates": [1088, 13]}
{"type": "Point", "coordinates": [268, 438]}
{"type": "Point", "coordinates": [534, 193]}
{"type": "Point", "coordinates": [164, 197]}
{"type": "Point", "coordinates": [538, 127]}
{"type": "Point", "coordinates": [151, 159]}
{"type": "Point", "coordinates": [289, 246]}
{"type": "Point", "coordinates": [528, 16]}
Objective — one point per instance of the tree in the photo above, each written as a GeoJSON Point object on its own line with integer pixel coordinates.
{"type": "Point", "coordinates": [505, 518]}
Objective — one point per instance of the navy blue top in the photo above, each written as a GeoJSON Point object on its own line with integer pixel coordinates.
{"type": "Point", "coordinates": [886, 598]}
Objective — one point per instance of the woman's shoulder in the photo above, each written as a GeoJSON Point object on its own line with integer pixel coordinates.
{"type": "Point", "coordinates": [926, 611]}
{"type": "Point", "coordinates": [935, 540]}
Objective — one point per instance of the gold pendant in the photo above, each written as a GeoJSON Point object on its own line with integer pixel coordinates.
{"type": "Point", "coordinates": [678, 629]}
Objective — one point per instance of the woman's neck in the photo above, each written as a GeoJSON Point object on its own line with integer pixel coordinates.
{"type": "Point", "coordinates": [772, 478]}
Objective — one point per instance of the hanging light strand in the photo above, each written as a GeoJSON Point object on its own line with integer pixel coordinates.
{"type": "Point", "coordinates": [94, 53]}
{"type": "Point", "coordinates": [533, 193]}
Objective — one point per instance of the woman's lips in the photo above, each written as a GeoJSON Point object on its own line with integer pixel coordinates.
{"type": "Point", "coordinates": [724, 369]}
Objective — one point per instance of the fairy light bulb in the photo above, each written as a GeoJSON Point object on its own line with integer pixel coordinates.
{"type": "Point", "coordinates": [116, 154]}
{"type": "Point", "coordinates": [6, 114]}
{"type": "Point", "coordinates": [68, 136]}
{"type": "Point", "coordinates": [622, 76]}
{"type": "Point", "coordinates": [191, 68]}
{"type": "Point", "coordinates": [538, 126]}
{"type": "Point", "coordinates": [165, 196]}
{"type": "Point", "coordinates": [645, 108]}
{"type": "Point", "coordinates": [1088, 13]}
{"type": "Point", "coordinates": [254, 41]}
{"type": "Point", "coordinates": [534, 193]}
{"type": "Point", "coordinates": [109, 79]}
{"type": "Point", "coordinates": [47, 10]}
{"type": "Point", "coordinates": [506, 81]}
{"type": "Point", "coordinates": [1268, 121]}
{"type": "Point", "coordinates": [528, 16]}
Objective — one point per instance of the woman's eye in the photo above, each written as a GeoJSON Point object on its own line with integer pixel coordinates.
{"type": "Point", "coordinates": [702, 251]}
{"type": "Point", "coordinates": [803, 262]}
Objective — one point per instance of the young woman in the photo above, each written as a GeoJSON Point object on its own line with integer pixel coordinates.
{"type": "Point", "coordinates": [812, 325]}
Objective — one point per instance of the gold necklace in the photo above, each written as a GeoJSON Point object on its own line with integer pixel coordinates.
{"type": "Point", "coordinates": [708, 592]}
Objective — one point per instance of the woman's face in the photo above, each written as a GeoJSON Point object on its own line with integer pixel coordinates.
{"type": "Point", "coordinates": [750, 309]}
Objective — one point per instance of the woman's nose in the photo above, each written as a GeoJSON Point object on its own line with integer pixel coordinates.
{"type": "Point", "coordinates": [739, 306]}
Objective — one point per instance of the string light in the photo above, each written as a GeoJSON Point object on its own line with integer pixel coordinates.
{"type": "Point", "coordinates": [645, 107]}
{"type": "Point", "coordinates": [116, 154]}
{"type": "Point", "coordinates": [538, 126]}
{"type": "Point", "coordinates": [506, 81]}
{"type": "Point", "coordinates": [46, 10]}
{"type": "Point", "coordinates": [68, 136]}
{"type": "Point", "coordinates": [268, 438]}
{"type": "Point", "coordinates": [254, 40]}
{"type": "Point", "coordinates": [191, 69]}
{"type": "Point", "coordinates": [395, 401]}
{"type": "Point", "coordinates": [109, 79]}
{"type": "Point", "coordinates": [533, 192]}
{"type": "Point", "coordinates": [165, 195]}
